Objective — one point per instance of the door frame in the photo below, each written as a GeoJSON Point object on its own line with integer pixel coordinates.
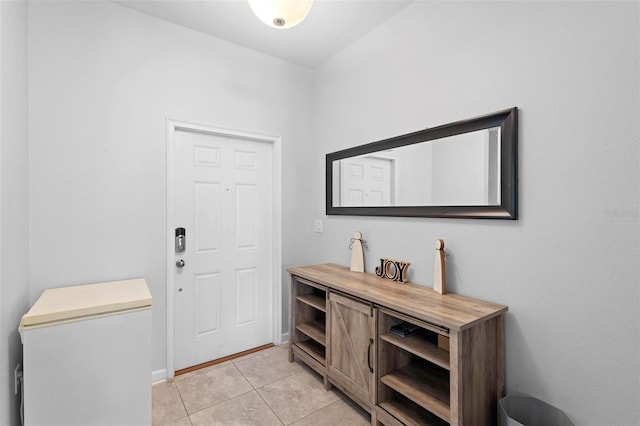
{"type": "Point", "coordinates": [276, 237]}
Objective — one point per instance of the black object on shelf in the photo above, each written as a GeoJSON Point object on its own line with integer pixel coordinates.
{"type": "Point", "coordinates": [404, 329]}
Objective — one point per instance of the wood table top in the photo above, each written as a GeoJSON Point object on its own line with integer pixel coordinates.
{"type": "Point", "coordinates": [450, 310]}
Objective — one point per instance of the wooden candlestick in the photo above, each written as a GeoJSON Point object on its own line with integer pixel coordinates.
{"type": "Point", "coordinates": [357, 254]}
{"type": "Point", "coordinates": [439, 271]}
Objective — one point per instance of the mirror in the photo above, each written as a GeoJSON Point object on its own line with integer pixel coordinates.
{"type": "Point", "coordinates": [462, 169]}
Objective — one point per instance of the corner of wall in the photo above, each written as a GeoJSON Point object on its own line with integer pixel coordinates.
{"type": "Point", "coordinates": [14, 211]}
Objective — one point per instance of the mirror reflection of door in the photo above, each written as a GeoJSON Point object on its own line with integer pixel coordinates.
{"type": "Point", "coordinates": [366, 181]}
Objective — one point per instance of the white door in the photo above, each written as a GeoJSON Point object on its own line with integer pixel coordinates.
{"type": "Point", "coordinates": [223, 197]}
{"type": "Point", "coordinates": [366, 181]}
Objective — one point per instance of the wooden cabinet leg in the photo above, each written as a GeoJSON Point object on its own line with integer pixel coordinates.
{"type": "Point", "coordinates": [290, 352]}
{"type": "Point", "coordinates": [374, 417]}
{"type": "Point", "coordinates": [327, 384]}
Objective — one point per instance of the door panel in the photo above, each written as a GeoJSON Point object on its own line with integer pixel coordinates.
{"type": "Point", "coordinates": [245, 208]}
{"type": "Point", "coordinates": [246, 296]}
{"type": "Point", "coordinates": [207, 211]}
{"type": "Point", "coordinates": [207, 303]}
{"type": "Point", "coordinates": [223, 198]}
{"type": "Point", "coordinates": [366, 181]}
{"type": "Point", "coordinates": [352, 345]}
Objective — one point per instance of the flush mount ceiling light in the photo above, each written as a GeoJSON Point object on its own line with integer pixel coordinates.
{"type": "Point", "coordinates": [281, 13]}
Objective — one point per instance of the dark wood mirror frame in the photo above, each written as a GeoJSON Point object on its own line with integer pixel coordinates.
{"type": "Point", "coordinates": [507, 120]}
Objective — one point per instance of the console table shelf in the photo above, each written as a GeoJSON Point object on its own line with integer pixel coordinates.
{"type": "Point", "coordinates": [410, 414]}
{"type": "Point", "coordinates": [421, 347]}
{"type": "Point", "coordinates": [451, 371]}
{"type": "Point", "coordinates": [315, 300]}
{"type": "Point", "coordinates": [315, 330]}
{"type": "Point", "coordinates": [423, 385]}
{"type": "Point", "coordinates": [315, 349]}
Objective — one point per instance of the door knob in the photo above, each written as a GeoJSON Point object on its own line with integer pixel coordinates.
{"type": "Point", "coordinates": [180, 263]}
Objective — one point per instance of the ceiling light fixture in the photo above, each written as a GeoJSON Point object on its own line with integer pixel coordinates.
{"type": "Point", "coordinates": [281, 13]}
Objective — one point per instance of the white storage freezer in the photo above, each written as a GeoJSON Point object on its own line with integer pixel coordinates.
{"type": "Point", "coordinates": [87, 355]}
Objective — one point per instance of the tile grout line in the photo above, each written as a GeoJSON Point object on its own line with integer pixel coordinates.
{"type": "Point", "coordinates": [284, 378]}
{"type": "Point", "coordinates": [182, 401]}
{"type": "Point", "coordinates": [237, 363]}
{"type": "Point", "coordinates": [260, 396]}
{"type": "Point", "coordinates": [231, 362]}
{"type": "Point", "coordinates": [313, 374]}
{"type": "Point", "coordinates": [221, 402]}
{"type": "Point", "coordinates": [269, 407]}
{"type": "Point", "coordinates": [315, 411]}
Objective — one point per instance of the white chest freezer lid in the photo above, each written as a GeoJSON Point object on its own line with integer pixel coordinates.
{"type": "Point", "coordinates": [80, 302]}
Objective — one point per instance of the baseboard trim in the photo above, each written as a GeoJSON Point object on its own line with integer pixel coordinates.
{"type": "Point", "coordinates": [285, 338]}
{"type": "Point", "coordinates": [158, 376]}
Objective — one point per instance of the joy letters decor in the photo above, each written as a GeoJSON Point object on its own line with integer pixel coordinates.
{"type": "Point", "coordinates": [394, 270]}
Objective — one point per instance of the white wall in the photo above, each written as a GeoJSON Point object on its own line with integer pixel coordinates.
{"type": "Point", "coordinates": [568, 268]}
{"type": "Point", "coordinates": [14, 233]}
{"type": "Point", "coordinates": [102, 81]}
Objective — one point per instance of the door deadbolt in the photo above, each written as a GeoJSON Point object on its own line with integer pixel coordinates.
{"type": "Point", "coordinates": [180, 263]}
{"type": "Point", "coordinates": [181, 240]}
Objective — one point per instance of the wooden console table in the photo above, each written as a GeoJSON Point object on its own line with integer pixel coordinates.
{"type": "Point", "coordinates": [450, 372]}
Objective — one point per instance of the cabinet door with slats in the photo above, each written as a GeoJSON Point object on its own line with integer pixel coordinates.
{"type": "Point", "coordinates": [352, 345]}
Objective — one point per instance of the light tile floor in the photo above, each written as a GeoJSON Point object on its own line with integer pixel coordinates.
{"type": "Point", "coordinates": [262, 388]}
